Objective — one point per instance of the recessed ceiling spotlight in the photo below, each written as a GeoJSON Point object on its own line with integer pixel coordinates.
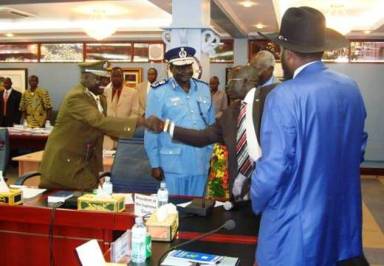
{"type": "Point", "coordinates": [247, 3]}
{"type": "Point", "coordinates": [367, 31]}
{"type": "Point", "coordinates": [259, 25]}
{"type": "Point", "coordinates": [9, 34]}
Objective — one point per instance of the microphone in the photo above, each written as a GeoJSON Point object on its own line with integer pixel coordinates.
{"type": "Point", "coordinates": [201, 206]}
{"type": "Point", "coordinates": [228, 225]}
{"type": "Point", "coordinates": [228, 205]}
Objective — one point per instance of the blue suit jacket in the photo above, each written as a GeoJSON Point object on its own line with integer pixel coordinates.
{"type": "Point", "coordinates": [307, 183]}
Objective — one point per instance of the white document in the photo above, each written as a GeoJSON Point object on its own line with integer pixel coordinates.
{"type": "Point", "coordinates": [184, 204]}
{"type": "Point", "coordinates": [144, 204]}
{"type": "Point", "coordinates": [29, 192]}
{"type": "Point", "coordinates": [170, 261]}
{"type": "Point", "coordinates": [121, 248]}
{"type": "Point", "coordinates": [90, 254]}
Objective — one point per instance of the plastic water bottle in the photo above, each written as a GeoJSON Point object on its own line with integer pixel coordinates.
{"type": "Point", "coordinates": [108, 186]}
{"type": "Point", "coordinates": [139, 234]}
{"type": "Point", "coordinates": [162, 195]}
{"type": "Point", "coordinates": [48, 124]}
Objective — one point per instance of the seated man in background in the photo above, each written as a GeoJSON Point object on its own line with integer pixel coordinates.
{"type": "Point", "coordinates": [240, 122]}
{"type": "Point", "coordinates": [35, 104]}
{"type": "Point", "coordinates": [219, 98]}
{"type": "Point", "coordinates": [122, 102]}
{"type": "Point", "coordinates": [144, 88]}
{"type": "Point", "coordinates": [73, 154]}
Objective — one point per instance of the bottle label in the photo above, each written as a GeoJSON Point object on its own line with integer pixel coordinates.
{"type": "Point", "coordinates": [138, 253]}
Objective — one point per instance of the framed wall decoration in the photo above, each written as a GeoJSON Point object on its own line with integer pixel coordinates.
{"type": "Point", "coordinates": [132, 76]}
{"type": "Point", "coordinates": [21, 52]}
{"type": "Point", "coordinates": [258, 45]}
{"type": "Point", "coordinates": [19, 77]}
{"type": "Point", "coordinates": [224, 52]}
{"type": "Point", "coordinates": [367, 51]}
{"type": "Point", "coordinates": [113, 52]}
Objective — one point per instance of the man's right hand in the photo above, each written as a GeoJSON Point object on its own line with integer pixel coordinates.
{"type": "Point", "coordinates": [154, 124]}
{"type": "Point", "coordinates": [157, 173]}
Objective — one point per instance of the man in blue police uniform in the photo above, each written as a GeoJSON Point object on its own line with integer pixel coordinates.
{"type": "Point", "coordinates": [307, 182]}
{"type": "Point", "coordinates": [187, 102]}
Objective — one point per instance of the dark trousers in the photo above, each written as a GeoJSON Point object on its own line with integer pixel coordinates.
{"type": "Point", "coordinates": [357, 261]}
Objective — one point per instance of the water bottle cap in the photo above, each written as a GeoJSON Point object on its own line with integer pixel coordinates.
{"type": "Point", "coordinates": [139, 220]}
{"type": "Point", "coordinates": [107, 178]}
{"type": "Point", "coordinates": [163, 185]}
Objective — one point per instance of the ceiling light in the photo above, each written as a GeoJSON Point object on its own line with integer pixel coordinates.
{"type": "Point", "coordinates": [9, 34]}
{"type": "Point", "coordinates": [99, 26]}
{"type": "Point", "coordinates": [247, 3]}
{"type": "Point", "coordinates": [259, 25]}
{"type": "Point", "coordinates": [367, 31]}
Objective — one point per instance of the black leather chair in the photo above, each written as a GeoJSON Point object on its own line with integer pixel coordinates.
{"type": "Point", "coordinates": [4, 149]}
{"type": "Point", "coordinates": [29, 179]}
{"type": "Point", "coordinates": [131, 171]}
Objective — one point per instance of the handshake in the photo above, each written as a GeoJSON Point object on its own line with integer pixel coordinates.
{"type": "Point", "coordinates": [153, 123]}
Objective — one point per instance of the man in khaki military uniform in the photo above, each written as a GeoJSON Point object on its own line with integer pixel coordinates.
{"type": "Point", "coordinates": [73, 154]}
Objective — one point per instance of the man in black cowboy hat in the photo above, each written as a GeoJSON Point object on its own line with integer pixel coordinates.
{"type": "Point", "coordinates": [307, 182]}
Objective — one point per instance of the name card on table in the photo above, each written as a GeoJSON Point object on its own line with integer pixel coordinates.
{"type": "Point", "coordinates": [90, 254]}
{"type": "Point", "coordinates": [145, 204]}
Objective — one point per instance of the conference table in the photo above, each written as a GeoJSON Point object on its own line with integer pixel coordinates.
{"type": "Point", "coordinates": [31, 162]}
{"type": "Point", "coordinates": [25, 233]}
{"type": "Point", "coordinates": [27, 138]}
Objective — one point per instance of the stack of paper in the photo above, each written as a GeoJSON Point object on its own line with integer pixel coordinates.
{"type": "Point", "coordinates": [59, 196]}
{"type": "Point", "coordinates": [29, 192]}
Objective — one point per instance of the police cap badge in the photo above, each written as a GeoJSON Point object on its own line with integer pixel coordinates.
{"type": "Point", "coordinates": [180, 56]}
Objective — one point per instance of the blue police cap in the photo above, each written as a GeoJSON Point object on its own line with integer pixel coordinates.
{"type": "Point", "coordinates": [180, 56]}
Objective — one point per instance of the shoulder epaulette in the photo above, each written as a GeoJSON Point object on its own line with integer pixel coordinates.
{"type": "Point", "coordinates": [198, 80]}
{"type": "Point", "coordinates": [157, 84]}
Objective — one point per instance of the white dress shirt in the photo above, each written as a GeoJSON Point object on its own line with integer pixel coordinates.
{"type": "Point", "coordinates": [253, 146]}
{"type": "Point", "coordinates": [300, 68]}
{"type": "Point", "coordinates": [97, 99]}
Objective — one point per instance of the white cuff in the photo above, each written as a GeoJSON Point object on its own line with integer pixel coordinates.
{"type": "Point", "coordinates": [171, 129]}
{"type": "Point", "coordinates": [166, 125]}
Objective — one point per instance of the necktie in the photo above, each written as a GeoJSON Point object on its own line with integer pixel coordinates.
{"type": "Point", "coordinates": [5, 99]}
{"type": "Point", "coordinates": [243, 160]}
{"type": "Point", "coordinates": [244, 163]}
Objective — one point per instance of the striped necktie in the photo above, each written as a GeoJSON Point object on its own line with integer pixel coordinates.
{"type": "Point", "coordinates": [245, 165]}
